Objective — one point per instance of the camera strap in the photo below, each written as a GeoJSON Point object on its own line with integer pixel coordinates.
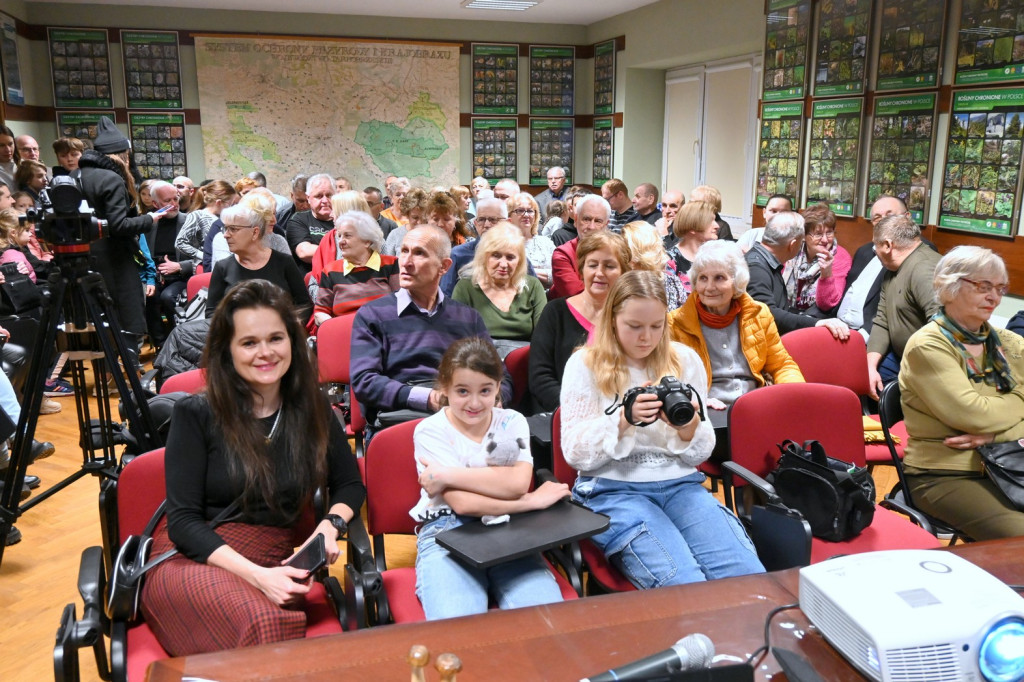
{"type": "Point", "coordinates": [76, 175]}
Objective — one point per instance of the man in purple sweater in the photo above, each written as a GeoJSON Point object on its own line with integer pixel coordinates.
{"type": "Point", "coordinates": [398, 340]}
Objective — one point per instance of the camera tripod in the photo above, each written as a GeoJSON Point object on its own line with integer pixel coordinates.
{"type": "Point", "coordinates": [90, 333]}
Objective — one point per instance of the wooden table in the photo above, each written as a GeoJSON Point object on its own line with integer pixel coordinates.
{"type": "Point", "coordinates": [571, 640]}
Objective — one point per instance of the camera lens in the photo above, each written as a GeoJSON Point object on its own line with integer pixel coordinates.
{"type": "Point", "coordinates": [677, 408]}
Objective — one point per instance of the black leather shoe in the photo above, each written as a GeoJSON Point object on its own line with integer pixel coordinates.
{"type": "Point", "coordinates": [42, 450]}
{"type": "Point", "coordinates": [32, 482]}
{"type": "Point", "coordinates": [13, 536]}
{"type": "Point", "coordinates": [25, 492]}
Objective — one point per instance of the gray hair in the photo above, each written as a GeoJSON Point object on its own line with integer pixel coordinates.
{"type": "Point", "coordinates": [783, 228]}
{"type": "Point", "coordinates": [157, 184]}
{"type": "Point", "coordinates": [901, 230]}
{"type": "Point", "coordinates": [967, 261]}
{"type": "Point", "coordinates": [259, 178]}
{"type": "Point", "coordinates": [299, 182]}
{"type": "Point", "coordinates": [245, 215]}
{"type": "Point", "coordinates": [393, 185]}
{"type": "Point", "coordinates": [365, 226]}
{"type": "Point", "coordinates": [722, 253]}
{"type": "Point", "coordinates": [317, 179]}
{"type": "Point", "coordinates": [491, 202]}
{"type": "Point", "coordinates": [594, 199]}
{"type": "Point", "coordinates": [440, 239]}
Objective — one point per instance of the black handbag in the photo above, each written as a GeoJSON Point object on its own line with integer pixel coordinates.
{"type": "Point", "coordinates": [1004, 465]}
{"type": "Point", "coordinates": [133, 563]}
{"type": "Point", "coordinates": [836, 497]}
{"type": "Point", "coordinates": [19, 295]}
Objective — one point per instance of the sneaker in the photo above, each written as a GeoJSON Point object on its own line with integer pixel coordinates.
{"type": "Point", "coordinates": [58, 388]}
{"type": "Point", "coordinates": [49, 406]}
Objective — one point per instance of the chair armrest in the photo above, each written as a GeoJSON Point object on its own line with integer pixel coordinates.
{"type": "Point", "coordinates": [365, 601]}
{"type": "Point", "coordinates": [914, 515]}
{"type": "Point", "coordinates": [763, 486]}
{"type": "Point", "coordinates": [77, 633]}
{"type": "Point", "coordinates": [545, 476]}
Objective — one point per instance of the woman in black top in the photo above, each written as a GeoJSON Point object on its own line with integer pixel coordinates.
{"type": "Point", "coordinates": [244, 230]}
{"type": "Point", "coordinates": [260, 434]}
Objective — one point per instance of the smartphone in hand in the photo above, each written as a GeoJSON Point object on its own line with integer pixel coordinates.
{"type": "Point", "coordinates": [311, 557]}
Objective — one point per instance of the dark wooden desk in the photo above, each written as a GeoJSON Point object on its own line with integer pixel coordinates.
{"type": "Point", "coordinates": [567, 641]}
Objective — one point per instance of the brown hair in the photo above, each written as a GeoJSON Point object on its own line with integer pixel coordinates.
{"type": "Point", "coordinates": [473, 353]}
{"type": "Point", "coordinates": [210, 193]}
{"type": "Point", "coordinates": [693, 217]}
{"type": "Point", "coordinates": [818, 214]}
{"type": "Point", "coordinates": [603, 239]}
{"type": "Point", "coordinates": [64, 145]}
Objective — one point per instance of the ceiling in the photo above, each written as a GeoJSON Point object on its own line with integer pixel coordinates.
{"type": "Point", "coordinates": [573, 12]}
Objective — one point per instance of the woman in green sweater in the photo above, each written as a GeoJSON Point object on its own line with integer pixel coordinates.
{"type": "Point", "coordinates": [962, 385]}
{"type": "Point", "coordinates": [508, 299]}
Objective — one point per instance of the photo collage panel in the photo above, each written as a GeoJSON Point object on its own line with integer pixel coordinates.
{"type": "Point", "coordinates": [158, 143]}
{"type": "Point", "coordinates": [604, 78]}
{"type": "Point", "coordinates": [83, 125]}
{"type": "Point", "coordinates": [552, 80]}
{"type": "Point", "coordinates": [778, 164]}
{"type": "Point", "coordinates": [901, 147]}
{"type": "Point", "coordinates": [151, 71]}
{"type": "Point", "coordinates": [834, 153]}
{"type": "Point", "coordinates": [983, 164]}
{"type": "Point", "coordinates": [991, 41]}
{"type": "Point", "coordinates": [495, 79]}
{"type": "Point", "coordinates": [910, 43]}
{"type": "Point", "coordinates": [80, 64]}
{"type": "Point", "coordinates": [550, 145]}
{"type": "Point", "coordinates": [785, 49]}
{"type": "Point", "coordinates": [494, 149]}
{"type": "Point", "coordinates": [842, 47]}
{"type": "Point", "coordinates": [603, 137]}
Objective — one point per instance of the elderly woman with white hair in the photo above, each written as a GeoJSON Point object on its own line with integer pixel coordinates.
{"type": "Point", "coordinates": [361, 274]}
{"type": "Point", "coordinates": [251, 258]}
{"type": "Point", "coordinates": [508, 299]}
{"type": "Point", "coordinates": [734, 335]}
{"type": "Point", "coordinates": [961, 387]}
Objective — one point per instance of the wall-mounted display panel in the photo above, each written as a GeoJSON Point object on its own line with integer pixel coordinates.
{"type": "Point", "coordinates": [901, 150]}
{"type": "Point", "coordinates": [152, 74]}
{"type": "Point", "coordinates": [835, 154]}
{"type": "Point", "coordinates": [604, 78]}
{"type": "Point", "coordinates": [780, 152]}
{"type": "Point", "coordinates": [80, 66]}
{"type": "Point", "coordinates": [495, 78]}
{"type": "Point", "coordinates": [158, 143]}
{"type": "Point", "coordinates": [494, 148]}
{"type": "Point", "coordinates": [990, 45]}
{"type": "Point", "coordinates": [604, 143]}
{"type": "Point", "coordinates": [843, 30]}
{"type": "Point", "coordinates": [786, 49]}
{"type": "Point", "coordinates": [552, 80]}
{"type": "Point", "coordinates": [910, 45]}
{"type": "Point", "coordinates": [551, 144]}
{"type": "Point", "coordinates": [12, 90]}
{"type": "Point", "coordinates": [81, 124]}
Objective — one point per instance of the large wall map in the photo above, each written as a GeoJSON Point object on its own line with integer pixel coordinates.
{"type": "Point", "coordinates": [362, 109]}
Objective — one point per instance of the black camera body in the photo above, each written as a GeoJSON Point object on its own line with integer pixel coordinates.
{"type": "Point", "coordinates": [675, 397]}
{"type": "Point", "coordinates": [66, 221]}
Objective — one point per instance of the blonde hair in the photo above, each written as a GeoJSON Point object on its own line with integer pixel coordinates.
{"type": "Point", "coordinates": [513, 204]}
{"type": "Point", "coordinates": [605, 357]}
{"type": "Point", "coordinates": [709, 194]}
{"type": "Point", "coordinates": [694, 216]}
{"type": "Point", "coordinates": [343, 202]}
{"type": "Point", "coordinates": [645, 245]}
{"type": "Point", "coordinates": [261, 201]}
{"type": "Point", "coordinates": [9, 228]}
{"type": "Point", "coordinates": [502, 237]}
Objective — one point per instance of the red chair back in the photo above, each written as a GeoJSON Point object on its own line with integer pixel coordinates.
{"type": "Point", "coordinates": [823, 359]}
{"type": "Point", "coordinates": [192, 381]}
{"type": "Point", "coordinates": [392, 486]}
{"type": "Point", "coordinates": [333, 341]}
{"type": "Point", "coordinates": [518, 364]}
{"type": "Point", "coordinates": [197, 282]}
{"type": "Point", "coordinates": [761, 419]}
{"type": "Point", "coordinates": [562, 471]}
{"type": "Point", "coordinates": [140, 490]}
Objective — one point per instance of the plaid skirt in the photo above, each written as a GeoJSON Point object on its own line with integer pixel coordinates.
{"type": "Point", "coordinates": [195, 608]}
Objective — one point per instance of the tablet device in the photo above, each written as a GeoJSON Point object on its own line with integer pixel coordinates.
{"type": "Point", "coordinates": [312, 557]}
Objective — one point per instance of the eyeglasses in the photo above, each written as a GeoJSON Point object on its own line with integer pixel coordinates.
{"type": "Point", "coordinates": [487, 220]}
{"type": "Point", "coordinates": [875, 219]}
{"type": "Point", "coordinates": [986, 287]}
{"type": "Point", "coordinates": [524, 211]}
{"type": "Point", "coordinates": [235, 228]}
{"type": "Point", "coordinates": [560, 177]}
{"type": "Point", "coordinates": [818, 236]}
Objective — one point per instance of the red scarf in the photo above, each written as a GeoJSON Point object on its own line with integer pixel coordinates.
{"type": "Point", "coordinates": [710, 319]}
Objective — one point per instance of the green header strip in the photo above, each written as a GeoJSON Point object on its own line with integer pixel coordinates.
{"type": "Point", "coordinates": [494, 110]}
{"type": "Point", "coordinates": [787, 93]}
{"type": "Point", "coordinates": [839, 89]}
{"type": "Point", "coordinates": [900, 82]}
{"type": "Point", "coordinates": [845, 210]}
{"type": "Point", "coordinates": [551, 124]}
{"type": "Point", "coordinates": [155, 103]}
{"type": "Point", "coordinates": [551, 51]}
{"type": "Point", "coordinates": [605, 47]}
{"type": "Point", "coordinates": [505, 50]}
{"type": "Point", "coordinates": [78, 118]}
{"type": "Point", "coordinates": [490, 123]}
{"type": "Point", "coordinates": [774, 5]}
{"type": "Point", "coordinates": [602, 124]}
{"type": "Point", "coordinates": [551, 111]}
{"type": "Point", "coordinates": [986, 100]}
{"type": "Point", "coordinates": [1003, 73]}
{"type": "Point", "coordinates": [78, 35]}
{"type": "Point", "coordinates": [837, 107]}
{"type": "Point", "coordinates": [147, 37]}
{"type": "Point", "coordinates": [156, 119]}
{"type": "Point", "coordinates": [771, 112]}
{"type": "Point", "coordinates": [888, 106]}
{"type": "Point", "coordinates": [988, 226]}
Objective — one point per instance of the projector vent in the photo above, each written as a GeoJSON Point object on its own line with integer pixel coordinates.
{"type": "Point", "coordinates": [936, 663]}
{"type": "Point", "coordinates": [839, 629]}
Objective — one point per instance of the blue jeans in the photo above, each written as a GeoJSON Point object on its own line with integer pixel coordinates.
{"type": "Point", "coordinates": [448, 588]}
{"type": "Point", "coordinates": [668, 532]}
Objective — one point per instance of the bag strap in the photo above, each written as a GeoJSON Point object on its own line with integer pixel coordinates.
{"type": "Point", "coordinates": [817, 452]}
{"type": "Point", "coordinates": [151, 526]}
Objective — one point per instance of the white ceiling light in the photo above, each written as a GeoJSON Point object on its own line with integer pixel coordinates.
{"type": "Point", "coordinates": [509, 5]}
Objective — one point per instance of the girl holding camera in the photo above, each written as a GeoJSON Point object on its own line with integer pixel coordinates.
{"type": "Point", "coordinates": [634, 464]}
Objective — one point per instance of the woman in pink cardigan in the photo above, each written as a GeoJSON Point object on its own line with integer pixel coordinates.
{"type": "Point", "coordinates": [816, 277]}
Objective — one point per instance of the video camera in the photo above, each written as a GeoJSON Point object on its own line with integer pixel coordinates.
{"type": "Point", "coordinates": [66, 221]}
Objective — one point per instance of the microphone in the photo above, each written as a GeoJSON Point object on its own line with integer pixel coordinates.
{"type": "Point", "coordinates": [692, 652]}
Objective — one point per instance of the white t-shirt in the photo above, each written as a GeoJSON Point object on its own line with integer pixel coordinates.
{"type": "Point", "coordinates": [439, 441]}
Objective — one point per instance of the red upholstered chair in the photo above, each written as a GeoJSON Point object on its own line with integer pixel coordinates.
{"type": "Point", "coordinates": [192, 381]}
{"type": "Point", "coordinates": [389, 471]}
{"type": "Point", "coordinates": [130, 503]}
{"type": "Point", "coordinates": [823, 359]}
{"type": "Point", "coordinates": [518, 365]}
{"type": "Point", "coordinates": [197, 282]}
{"type": "Point", "coordinates": [333, 343]}
{"type": "Point", "coordinates": [761, 419]}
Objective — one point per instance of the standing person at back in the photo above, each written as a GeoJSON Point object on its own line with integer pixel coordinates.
{"type": "Point", "coordinates": [555, 190]}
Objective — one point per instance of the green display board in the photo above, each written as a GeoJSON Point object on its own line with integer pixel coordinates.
{"type": "Point", "coordinates": [779, 151]}
{"type": "Point", "coordinates": [990, 43]}
{"type": "Point", "coordinates": [901, 150]}
{"type": "Point", "coordinates": [785, 49]}
{"type": "Point", "coordinates": [152, 75]}
{"type": "Point", "coordinates": [551, 143]}
{"type": "Point", "coordinates": [81, 124]}
{"type": "Point", "coordinates": [80, 65]}
{"type": "Point", "coordinates": [910, 46]}
{"type": "Point", "coordinates": [158, 143]}
{"type": "Point", "coordinates": [843, 29]}
{"type": "Point", "coordinates": [981, 179]}
{"type": "Point", "coordinates": [495, 78]}
{"type": "Point", "coordinates": [834, 154]}
{"type": "Point", "coordinates": [604, 144]}
{"type": "Point", "coordinates": [552, 80]}
{"type": "Point", "coordinates": [494, 148]}
{"type": "Point", "coordinates": [604, 78]}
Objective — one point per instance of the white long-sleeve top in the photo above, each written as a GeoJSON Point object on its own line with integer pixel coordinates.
{"type": "Point", "coordinates": [590, 438]}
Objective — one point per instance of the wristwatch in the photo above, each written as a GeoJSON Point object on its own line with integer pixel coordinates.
{"type": "Point", "coordinates": [339, 524]}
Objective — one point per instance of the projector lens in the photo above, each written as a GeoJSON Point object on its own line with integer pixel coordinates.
{"type": "Point", "coordinates": [1001, 656]}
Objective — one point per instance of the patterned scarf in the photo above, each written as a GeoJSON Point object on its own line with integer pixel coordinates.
{"type": "Point", "coordinates": [801, 285]}
{"type": "Point", "coordinates": [995, 370]}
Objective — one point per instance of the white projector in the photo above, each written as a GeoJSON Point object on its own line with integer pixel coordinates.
{"type": "Point", "coordinates": [907, 615]}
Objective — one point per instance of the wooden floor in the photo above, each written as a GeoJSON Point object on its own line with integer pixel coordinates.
{"type": "Point", "coordinates": [38, 576]}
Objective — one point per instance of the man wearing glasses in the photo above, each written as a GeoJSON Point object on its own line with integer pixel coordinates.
{"type": "Point", "coordinates": [555, 190]}
{"type": "Point", "coordinates": [375, 198]}
{"type": "Point", "coordinates": [906, 300]}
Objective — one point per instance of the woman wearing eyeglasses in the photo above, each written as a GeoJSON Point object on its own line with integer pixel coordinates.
{"type": "Point", "coordinates": [962, 385]}
{"type": "Point", "coordinates": [816, 277]}
{"type": "Point", "coordinates": [524, 213]}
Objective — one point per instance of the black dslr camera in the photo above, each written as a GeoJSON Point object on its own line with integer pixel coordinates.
{"type": "Point", "coordinates": [66, 221]}
{"type": "Point", "coordinates": [675, 397]}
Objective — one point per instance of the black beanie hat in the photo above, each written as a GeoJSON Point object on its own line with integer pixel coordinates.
{"type": "Point", "coordinates": [110, 140]}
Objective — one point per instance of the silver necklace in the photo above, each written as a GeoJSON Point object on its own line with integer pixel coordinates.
{"type": "Point", "coordinates": [273, 429]}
